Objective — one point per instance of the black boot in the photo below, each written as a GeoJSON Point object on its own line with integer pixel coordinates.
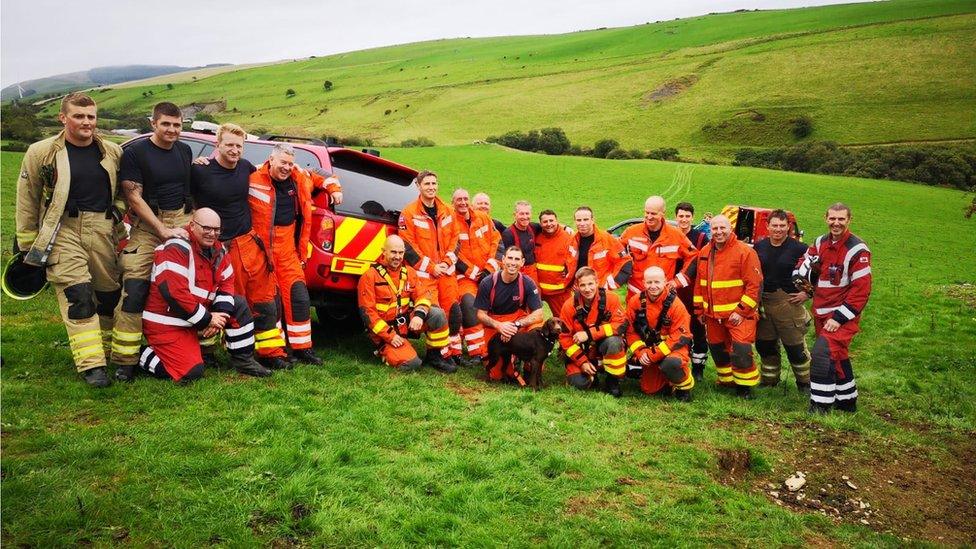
{"type": "Point", "coordinates": [96, 377]}
{"type": "Point", "coordinates": [612, 386]}
{"type": "Point", "coordinates": [818, 409]}
{"type": "Point", "coordinates": [125, 374]}
{"type": "Point", "coordinates": [698, 372]}
{"type": "Point", "coordinates": [275, 363]}
{"type": "Point", "coordinates": [307, 356]}
{"type": "Point", "coordinates": [682, 396]}
{"type": "Point", "coordinates": [210, 361]}
{"type": "Point", "coordinates": [743, 392]}
{"type": "Point", "coordinates": [248, 366]}
{"type": "Point", "coordinates": [436, 360]}
{"type": "Point", "coordinates": [803, 388]}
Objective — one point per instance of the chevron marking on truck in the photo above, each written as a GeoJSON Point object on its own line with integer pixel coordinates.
{"type": "Point", "coordinates": [359, 239]}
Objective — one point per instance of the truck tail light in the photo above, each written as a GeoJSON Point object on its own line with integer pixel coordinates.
{"type": "Point", "coordinates": [326, 234]}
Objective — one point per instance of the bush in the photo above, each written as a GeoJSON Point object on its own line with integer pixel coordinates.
{"type": "Point", "coordinates": [290, 93]}
{"type": "Point", "coordinates": [169, 86]}
{"type": "Point", "coordinates": [549, 140]}
{"type": "Point", "coordinates": [327, 85]}
{"type": "Point", "coordinates": [932, 165]}
{"type": "Point", "coordinates": [603, 147]}
{"type": "Point", "coordinates": [206, 117]}
{"type": "Point", "coordinates": [666, 153]}
{"type": "Point", "coordinates": [19, 122]}
{"type": "Point", "coordinates": [617, 154]}
{"type": "Point", "coordinates": [418, 142]}
{"type": "Point", "coordinates": [801, 126]}
{"type": "Point", "coordinates": [15, 146]}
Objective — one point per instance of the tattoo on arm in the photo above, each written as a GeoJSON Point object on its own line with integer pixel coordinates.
{"type": "Point", "coordinates": [131, 188]}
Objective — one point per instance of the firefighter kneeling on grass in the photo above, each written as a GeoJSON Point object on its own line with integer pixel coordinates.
{"type": "Point", "coordinates": [394, 309]}
{"type": "Point", "coordinates": [659, 335]}
{"type": "Point", "coordinates": [191, 293]}
{"type": "Point", "coordinates": [593, 340]}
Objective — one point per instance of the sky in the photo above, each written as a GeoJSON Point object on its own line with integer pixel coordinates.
{"type": "Point", "coordinates": [40, 38]}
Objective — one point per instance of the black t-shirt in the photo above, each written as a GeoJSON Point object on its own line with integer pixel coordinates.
{"type": "Point", "coordinates": [499, 226]}
{"type": "Point", "coordinates": [163, 173]}
{"type": "Point", "coordinates": [224, 191]}
{"type": "Point", "coordinates": [286, 196]}
{"type": "Point", "coordinates": [584, 250]}
{"type": "Point", "coordinates": [698, 238]}
{"type": "Point", "coordinates": [431, 211]}
{"type": "Point", "coordinates": [778, 263]}
{"type": "Point", "coordinates": [91, 189]}
{"type": "Point", "coordinates": [506, 295]}
{"type": "Point", "coordinates": [525, 240]}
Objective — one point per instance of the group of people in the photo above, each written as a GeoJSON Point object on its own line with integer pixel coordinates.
{"type": "Point", "coordinates": [217, 248]}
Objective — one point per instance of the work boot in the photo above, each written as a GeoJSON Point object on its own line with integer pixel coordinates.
{"type": "Point", "coordinates": [698, 372]}
{"type": "Point", "coordinates": [96, 377]}
{"type": "Point", "coordinates": [412, 365]}
{"type": "Point", "coordinates": [307, 356]}
{"type": "Point", "coordinates": [436, 360]}
{"type": "Point", "coordinates": [803, 388]}
{"type": "Point", "coordinates": [248, 366]}
{"type": "Point", "coordinates": [210, 361]}
{"type": "Point", "coordinates": [125, 373]}
{"type": "Point", "coordinates": [612, 386]}
{"type": "Point", "coordinates": [275, 363]}
{"type": "Point", "coordinates": [818, 409]}
{"type": "Point", "coordinates": [682, 396]}
{"type": "Point", "coordinates": [467, 361]}
{"type": "Point", "coordinates": [744, 392]}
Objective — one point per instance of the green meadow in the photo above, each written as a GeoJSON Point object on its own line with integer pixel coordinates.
{"type": "Point", "coordinates": [880, 72]}
{"type": "Point", "coordinates": [354, 454]}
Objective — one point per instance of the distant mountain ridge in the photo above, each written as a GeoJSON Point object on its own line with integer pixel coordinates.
{"type": "Point", "coordinates": [98, 76]}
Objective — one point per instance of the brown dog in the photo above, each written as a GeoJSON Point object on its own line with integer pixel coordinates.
{"type": "Point", "coordinates": [531, 348]}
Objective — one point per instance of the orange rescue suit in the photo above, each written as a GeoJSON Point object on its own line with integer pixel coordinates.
{"type": "Point", "coordinates": [606, 256]}
{"type": "Point", "coordinates": [725, 281]}
{"type": "Point", "coordinates": [675, 334]}
{"type": "Point", "coordinates": [670, 248]}
{"type": "Point", "coordinates": [599, 325]}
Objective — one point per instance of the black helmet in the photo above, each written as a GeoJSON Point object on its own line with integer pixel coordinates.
{"type": "Point", "coordinates": [22, 281]}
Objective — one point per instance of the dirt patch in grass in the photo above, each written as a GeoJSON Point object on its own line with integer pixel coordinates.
{"type": "Point", "coordinates": [471, 395]}
{"type": "Point", "coordinates": [734, 463]}
{"type": "Point", "coordinates": [963, 292]}
{"type": "Point", "coordinates": [669, 89]}
{"type": "Point", "coordinates": [925, 491]}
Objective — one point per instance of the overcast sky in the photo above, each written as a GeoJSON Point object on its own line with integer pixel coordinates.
{"type": "Point", "coordinates": [46, 37]}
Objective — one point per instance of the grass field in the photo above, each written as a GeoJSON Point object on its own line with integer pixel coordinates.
{"type": "Point", "coordinates": [880, 72]}
{"type": "Point", "coordinates": [354, 454]}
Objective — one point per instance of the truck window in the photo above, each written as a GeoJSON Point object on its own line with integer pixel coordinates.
{"type": "Point", "coordinates": [371, 190]}
{"type": "Point", "coordinates": [258, 153]}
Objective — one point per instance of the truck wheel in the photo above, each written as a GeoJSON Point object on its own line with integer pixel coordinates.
{"type": "Point", "coordinates": [339, 318]}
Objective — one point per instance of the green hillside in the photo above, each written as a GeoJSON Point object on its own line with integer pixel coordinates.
{"type": "Point", "coordinates": [352, 454]}
{"type": "Point", "coordinates": [899, 71]}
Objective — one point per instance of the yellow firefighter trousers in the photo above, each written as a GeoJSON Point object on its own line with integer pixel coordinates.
{"type": "Point", "coordinates": [136, 262]}
{"type": "Point", "coordinates": [83, 270]}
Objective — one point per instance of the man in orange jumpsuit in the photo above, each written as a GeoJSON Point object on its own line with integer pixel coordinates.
{"type": "Point", "coordinates": [659, 335]}
{"type": "Point", "coordinates": [600, 251]}
{"type": "Point", "coordinates": [431, 239]}
{"type": "Point", "coordinates": [280, 197]}
{"type": "Point", "coordinates": [478, 256]}
{"type": "Point", "coordinates": [595, 326]}
{"type": "Point", "coordinates": [555, 255]}
{"type": "Point", "coordinates": [654, 243]}
{"type": "Point", "coordinates": [507, 302]}
{"type": "Point", "coordinates": [394, 308]}
{"type": "Point", "coordinates": [727, 278]}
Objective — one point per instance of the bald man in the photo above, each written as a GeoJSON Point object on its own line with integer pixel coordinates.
{"type": "Point", "coordinates": [654, 243]}
{"type": "Point", "coordinates": [659, 336]}
{"type": "Point", "coordinates": [191, 294]}
{"type": "Point", "coordinates": [396, 307]}
{"type": "Point", "coordinates": [727, 279]}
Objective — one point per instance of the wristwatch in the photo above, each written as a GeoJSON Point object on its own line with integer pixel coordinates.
{"type": "Point", "coordinates": [518, 324]}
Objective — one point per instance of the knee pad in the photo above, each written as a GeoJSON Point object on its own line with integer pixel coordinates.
{"type": "Point", "coordinates": [436, 319]}
{"type": "Point", "coordinates": [81, 301]}
{"type": "Point", "coordinates": [580, 381]}
{"type": "Point", "coordinates": [300, 302]}
{"type": "Point", "coordinates": [741, 355]}
{"type": "Point", "coordinates": [768, 347]}
{"type": "Point", "coordinates": [454, 318]}
{"type": "Point", "coordinates": [469, 316]}
{"type": "Point", "coordinates": [671, 368]}
{"type": "Point", "coordinates": [194, 374]}
{"type": "Point", "coordinates": [797, 354]}
{"type": "Point", "coordinates": [611, 345]}
{"type": "Point", "coordinates": [136, 291]}
{"type": "Point", "coordinates": [266, 315]}
{"type": "Point", "coordinates": [719, 354]}
{"type": "Point", "coordinates": [820, 359]}
{"type": "Point", "coordinates": [242, 313]}
{"type": "Point", "coordinates": [107, 301]}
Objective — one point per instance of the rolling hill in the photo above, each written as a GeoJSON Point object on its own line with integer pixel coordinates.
{"type": "Point", "coordinates": [99, 76]}
{"type": "Point", "coordinates": [900, 71]}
